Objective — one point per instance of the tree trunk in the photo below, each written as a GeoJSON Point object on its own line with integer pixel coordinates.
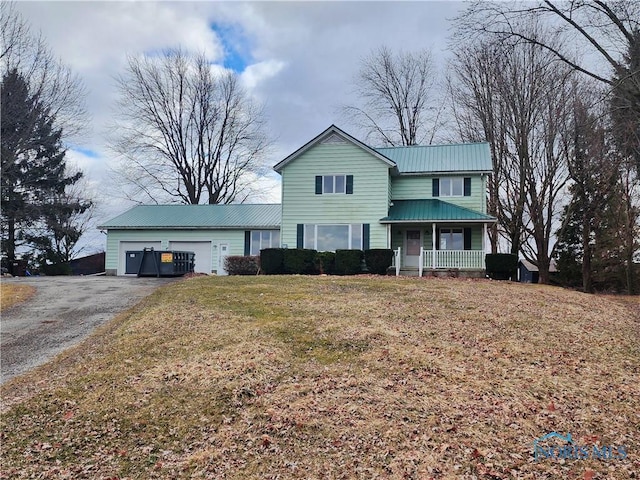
{"type": "Point", "coordinates": [10, 247]}
{"type": "Point", "coordinates": [587, 281]}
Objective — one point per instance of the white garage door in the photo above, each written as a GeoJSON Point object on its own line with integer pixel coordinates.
{"type": "Point", "coordinates": [132, 246]}
{"type": "Point", "coordinates": [202, 251]}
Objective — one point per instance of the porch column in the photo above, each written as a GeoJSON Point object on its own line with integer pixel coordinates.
{"type": "Point", "coordinates": [388, 235]}
{"type": "Point", "coordinates": [433, 246]}
{"type": "Point", "coordinates": [484, 244]}
{"type": "Point", "coordinates": [484, 238]}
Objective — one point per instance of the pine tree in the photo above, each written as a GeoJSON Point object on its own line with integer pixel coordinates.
{"type": "Point", "coordinates": [625, 103]}
{"type": "Point", "coordinates": [33, 163]}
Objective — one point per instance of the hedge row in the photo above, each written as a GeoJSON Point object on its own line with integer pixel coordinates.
{"type": "Point", "coordinates": [276, 261]}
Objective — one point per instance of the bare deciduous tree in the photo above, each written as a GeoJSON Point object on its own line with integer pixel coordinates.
{"type": "Point", "coordinates": [514, 96]}
{"type": "Point", "coordinates": [51, 82]}
{"type": "Point", "coordinates": [604, 29]}
{"type": "Point", "coordinates": [396, 93]}
{"type": "Point", "coordinates": [185, 133]}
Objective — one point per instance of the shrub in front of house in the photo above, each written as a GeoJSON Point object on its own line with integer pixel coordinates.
{"type": "Point", "coordinates": [348, 262]}
{"type": "Point", "coordinates": [326, 263]}
{"type": "Point", "coordinates": [378, 260]}
{"type": "Point", "coordinates": [501, 266]}
{"type": "Point", "coordinates": [241, 265]}
{"type": "Point", "coordinates": [299, 261]}
{"type": "Point", "coordinates": [272, 261]}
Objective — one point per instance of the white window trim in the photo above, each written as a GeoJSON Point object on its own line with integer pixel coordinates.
{"type": "Point", "coordinates": [449, 232]}
{"type": "Point", "coordinates": [334, 175]}
{"type": "Point", "coordinates": [451, 180]}
{"type": "Point", "coordinates": [315, 234]}
{"type": "Point", "coordinates": [271, 245]}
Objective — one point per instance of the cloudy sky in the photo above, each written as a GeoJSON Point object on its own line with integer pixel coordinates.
{"type": "Point", "coordinates": [297, 58]}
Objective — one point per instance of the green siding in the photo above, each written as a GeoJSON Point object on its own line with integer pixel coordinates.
{"type": "Point", "coordinates": [420, 187]}
{"type": "Point", "coordinates": [368, 203]}
{"type": "Point", "coordinates": [235, 239]}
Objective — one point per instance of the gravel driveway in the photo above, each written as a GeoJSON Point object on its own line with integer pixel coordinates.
{"type": "Point", "coordinates": [64, 311]}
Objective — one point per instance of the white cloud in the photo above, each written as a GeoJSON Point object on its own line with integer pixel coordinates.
{"type": "Point", "coordinates": [255, 74]}
{"type": "Point", "coordinates": [300, 56]}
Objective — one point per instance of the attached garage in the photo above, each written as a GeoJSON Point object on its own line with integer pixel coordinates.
{"type": "Point", "coordinates": [202, 251]}
{"type": "Point", "coordinates": [211, 231]}
{"type": "Point", "coordinates": [125, 247]}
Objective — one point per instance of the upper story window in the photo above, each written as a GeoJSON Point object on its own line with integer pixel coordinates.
{"type": "Point", "coordinates": [328, 184]}
{"type": "Point", "coordinates": [452, 187]}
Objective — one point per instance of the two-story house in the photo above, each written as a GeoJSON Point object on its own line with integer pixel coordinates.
{"type": "Point", "coordinates": [427, 203]}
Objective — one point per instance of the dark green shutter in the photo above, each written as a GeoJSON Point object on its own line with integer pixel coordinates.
{"type": "Point", "coordinates": [467, 186]}
{"type": "Point", "coordinates": [349, 184]}
{"type": "Point", "coordinates": [247, 242]}
{"type": "Point", "coordinates": [435, 187]}
{"type": "Point", "coordinates": [365, 236]}
{"type": "Point", "coordinates": [437, 239]}
{"type": "Point", "coordinates": [467, 238]}
{"type": "Point", "coordinates": [318, 184]}
{"type": "Point", "coordinates": [300, 236]}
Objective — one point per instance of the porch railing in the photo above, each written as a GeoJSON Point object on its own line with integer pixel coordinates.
{"type": "Point", "coordinates": [397, 260]}
{"type": "Point", "coordinates": [462, 259]}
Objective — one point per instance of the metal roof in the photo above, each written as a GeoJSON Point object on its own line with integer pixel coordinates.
{"type": "Point", "coordinates": [165, 217]}
{"type": "Point", "coordinates": [413, 211]}
{"type": "Point", "coordinates": [533, 268]}
{"type": "Point", "coordinates": [464, 157]}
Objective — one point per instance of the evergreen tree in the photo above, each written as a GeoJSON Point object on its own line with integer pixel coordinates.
{"type": "Point", "coordinates": [625, 103]}
{"type": "Point", "coordinates": [33, 163]}
{"type": "Point", "coordinates": [594, 168]}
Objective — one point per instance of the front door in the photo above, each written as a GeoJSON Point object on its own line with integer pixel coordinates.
{"type": "Point", "coordinates": [412, 244]}
{"type": "Point", "coordinates": [223, 252]}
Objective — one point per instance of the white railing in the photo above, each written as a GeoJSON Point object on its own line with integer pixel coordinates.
{"type": "Point", "coordinates": [462, 259]}
{"type": "Point", "coordinates": [465, 259]}
{"type": "Point", "coordinates": [397, 261]}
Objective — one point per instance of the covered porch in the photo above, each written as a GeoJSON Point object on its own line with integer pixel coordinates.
{"type": "Point", "coordinates": [432, 235]}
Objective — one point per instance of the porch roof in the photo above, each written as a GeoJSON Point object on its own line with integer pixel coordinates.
{"type": "Point", "coordinates": [430, 210]}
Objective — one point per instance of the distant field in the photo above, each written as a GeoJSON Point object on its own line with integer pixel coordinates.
{"type": "Point", "coordinates": [12, 294]}
{"type": "Point", "coordinates": [330, 377]}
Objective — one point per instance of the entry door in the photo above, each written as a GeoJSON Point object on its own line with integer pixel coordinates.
{"type": "Point", "coordinates": [223, 252]}
{"type": "Point", "coordinates": [412, 244]}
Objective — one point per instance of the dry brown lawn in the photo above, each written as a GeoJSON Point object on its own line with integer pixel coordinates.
{"type": "Point", "coordinates": [12, 294]}
{"type": "Point", "coordinates": [329, 377]}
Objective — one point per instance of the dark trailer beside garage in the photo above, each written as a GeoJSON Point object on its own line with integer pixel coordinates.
{"type": "Point", "coordinates": [153, 263]}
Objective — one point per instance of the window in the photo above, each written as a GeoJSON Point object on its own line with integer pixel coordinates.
{"type": "Point", "coordinates": [263, 239]}
{"type": "Point", "coordinates": [328, 184]}
{"type": "Point", "coordinates": [451, 239]}
{"type": "Point", "coordinates": [329, 238]}
{"type": "Point", "coordinates": [451, 187]}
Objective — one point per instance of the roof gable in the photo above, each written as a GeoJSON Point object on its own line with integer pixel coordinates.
{"type": "Point", "coordinates": [456, 158]}
{"type": "Point", "coordinates": [197, 217]}
{"type": "Point", "coordinates": [332, 135]}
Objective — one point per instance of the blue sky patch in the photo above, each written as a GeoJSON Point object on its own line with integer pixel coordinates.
{"type": "Point", "coordinates": [87, 152]}
{"type": "Point", "coordinates": [237, 53]}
